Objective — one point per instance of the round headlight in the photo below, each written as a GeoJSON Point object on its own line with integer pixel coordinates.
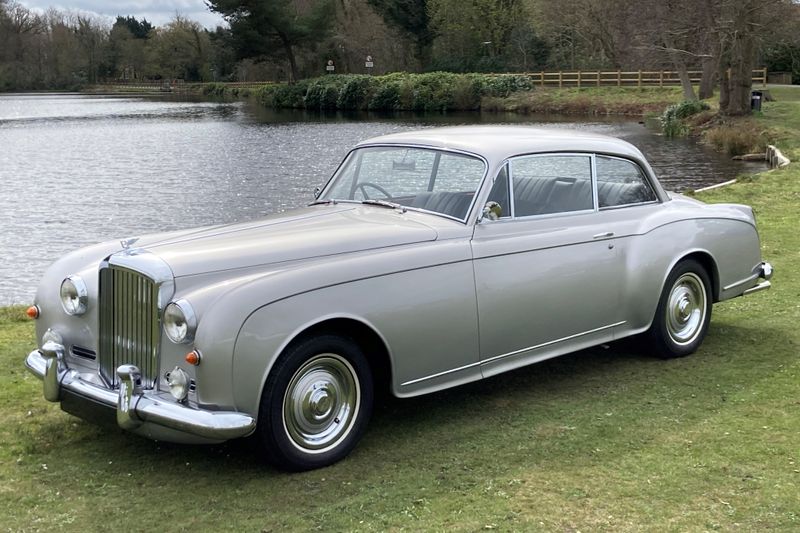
{"type": "Point", "coordinates": [74, 296]}
{"type": "Point", "coordinates": [179, 322]}
{"type": "Point", "coordinates": [178, 382]}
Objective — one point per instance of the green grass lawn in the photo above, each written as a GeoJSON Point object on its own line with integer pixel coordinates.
{"type": "Point", "coordinates": [606, 439]}
{"type": "Point", "coordinates": [587, 100]}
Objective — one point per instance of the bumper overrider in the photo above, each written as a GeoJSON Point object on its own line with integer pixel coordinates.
{"type": "Point", "coordinates": [134, 406]}
{"type": "Point", "coordinates": [764, 272]}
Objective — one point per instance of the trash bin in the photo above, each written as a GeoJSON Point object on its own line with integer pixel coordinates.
{"type": "Point", "coordinates": [755, 100]}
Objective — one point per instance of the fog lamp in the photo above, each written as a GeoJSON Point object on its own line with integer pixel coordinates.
{"type": "Point", "coordinates": [178, 382]}
{"type": "Point", "coordinates": [52, 336]}
{"type": "Point", "coordinates": [74, 296]}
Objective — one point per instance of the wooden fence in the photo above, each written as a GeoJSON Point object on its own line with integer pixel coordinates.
{"type": "Point", "coordinates": [620, 78]}
{"type": "Point", "coordinates": [572, 78]}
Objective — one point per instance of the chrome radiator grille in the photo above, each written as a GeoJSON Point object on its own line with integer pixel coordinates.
{"type": "Point", "coordinates": [129, 324]}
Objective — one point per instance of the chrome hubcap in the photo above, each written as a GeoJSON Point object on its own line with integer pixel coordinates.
{"type": "Point", "coordinates": [321, 403]}
{"type": "Point", "coordinates": [686, 308]}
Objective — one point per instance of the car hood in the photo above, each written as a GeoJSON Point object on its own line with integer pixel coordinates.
{"type": "Point", "coordinates": [304, 233]}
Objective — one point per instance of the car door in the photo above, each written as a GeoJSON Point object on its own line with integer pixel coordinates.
{"type": "Point", "coordinates": [546, 271]}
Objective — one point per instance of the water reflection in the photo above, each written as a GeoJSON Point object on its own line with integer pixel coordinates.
{"type": "Point", "coordinates": [77, 169]}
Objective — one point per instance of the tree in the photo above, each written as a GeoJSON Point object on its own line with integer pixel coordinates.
{"type": "Point", "coordinates": [139, 30]}
{"type": "Point", "coordinates": [181, 50]}
{"type": "Point", "coordinates": [741, 25]}
{"type": "Point", "coordinates": [411, 16]}
{"type": "Point", "coordinates": [269, 28]}
{"type": "Point", "coordinates": [128, 47]}
{"type": "Point", "coordinates": [484, 35]}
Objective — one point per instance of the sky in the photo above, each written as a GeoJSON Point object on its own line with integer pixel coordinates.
{"type": "Point", "coordinates": [157, 12]}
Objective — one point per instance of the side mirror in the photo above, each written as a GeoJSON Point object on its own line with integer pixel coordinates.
{"type": "Point", "coordinates": [492, 211]}
{"type": "Point", "coordinates": [317, 192]}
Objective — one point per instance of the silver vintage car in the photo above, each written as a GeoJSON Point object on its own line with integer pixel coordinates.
{"type": "Point", "coordinates": [430, 259]}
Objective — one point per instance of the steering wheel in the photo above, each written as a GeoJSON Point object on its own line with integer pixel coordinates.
{"type": "Point", "coordinates": [363, 188]}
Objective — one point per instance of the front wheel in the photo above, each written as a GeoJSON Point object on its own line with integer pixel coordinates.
{"type": "Point", "coordinates": [684, 311]}
{"type": "Point", "coordinates": [316, 403]}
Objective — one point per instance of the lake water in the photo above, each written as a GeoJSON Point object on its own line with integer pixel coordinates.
{"type": "Point", "coordinates": [78, 169]}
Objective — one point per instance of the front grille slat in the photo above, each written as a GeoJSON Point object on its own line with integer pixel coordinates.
{"type": "Point", "coordinates": [128, 324]}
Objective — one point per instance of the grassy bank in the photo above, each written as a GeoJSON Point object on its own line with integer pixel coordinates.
{"type": "Point", "coordinates": [444, 91]}
{"type": "Point", "coordinates": [587, 101]}
{"type": "Point", "coordinates": [605, 439]}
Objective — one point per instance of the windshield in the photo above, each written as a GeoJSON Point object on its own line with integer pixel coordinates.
{"type": "Point", "coordinates": [417, 178]}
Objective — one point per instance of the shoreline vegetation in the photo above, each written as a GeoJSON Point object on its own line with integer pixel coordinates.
{"type": "Point", "coordinates": [438, 92]}
{"type": "Point", "coordinates": [442, 92]}
{"type": "Point", "coordinates": [589, 440]}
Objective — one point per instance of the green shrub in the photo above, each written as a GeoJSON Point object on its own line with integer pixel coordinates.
{"type": "Point", "coordinates": [505, 84]}
{"type": "Point", "coordinates": [672, 124]}
{"type": "Point", "coordinates": [214, 89]}
{"type": "Point", "coordinates": [386, 97]}
{"type": "Point", "coordinates": [354, 92]}
{"type": "Point", "coordinates": [290, 96]}
{"type": "Point", "coordinates": [467, 92]}
{"type": "Point", "coordinates": [265, 95]}
{"type": "Point", "coordinates": [433, 91]}
{"type": "Point", "coordinates": [320, 95]}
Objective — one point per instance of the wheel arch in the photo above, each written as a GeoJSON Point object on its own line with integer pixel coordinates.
{"type": "Point", "coordinates": [360, 331]}
{"type": "Point", "coordinates": [707, 261]}
{"type": "Point", "coordinates": [366, 336]}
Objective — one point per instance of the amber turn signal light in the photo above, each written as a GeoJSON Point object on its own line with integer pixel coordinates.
{"type": "Point", "coordinates": [32, 312]}
{"type": "Point", "coordinates": [193, 357]}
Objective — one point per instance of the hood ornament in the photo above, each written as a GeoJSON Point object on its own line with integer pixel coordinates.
{"type": "Point", "coordinates": [126, 243]}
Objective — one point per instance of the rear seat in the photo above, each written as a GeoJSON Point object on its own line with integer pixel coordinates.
{"type": "Point", "coordinates": [611, 193]}
{"type": "Point", "coordinates": [543, 196]}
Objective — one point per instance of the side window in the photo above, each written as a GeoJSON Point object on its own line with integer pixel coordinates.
{"type": "Point", "coordinates": [621, 182]}
{"type": "Point", "coordinates": [551, 184]}
{"type": "Point", "coordinates": [499, 193]}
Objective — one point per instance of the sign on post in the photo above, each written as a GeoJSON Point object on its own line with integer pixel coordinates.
{"type": "Point", "coordinates": [369, 63]}
{"type": "Point", "coordinates": [330, 67]}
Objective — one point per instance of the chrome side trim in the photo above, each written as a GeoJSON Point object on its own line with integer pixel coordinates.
{"type": "Point", "coordinates": [531, 348]}
{"type": "Point", "coordinates": [516, 352]}
{"type": "Point", "coordinates": [133, 405]}
{"type": "Point", "coordinates": [748, 279]}
{"type": "Point", "coordinates": [440, 374]}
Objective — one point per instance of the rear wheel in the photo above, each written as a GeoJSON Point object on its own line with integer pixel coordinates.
{"type": "Point", "coordinates": [316, 403]}
{"type": "Point", "coordinates": [684, 311]}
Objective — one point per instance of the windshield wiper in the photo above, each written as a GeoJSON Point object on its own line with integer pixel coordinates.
{"type": "Point", "coordinates": [385, 203]}
{"type": "Point", "coordinates": [323, 202]}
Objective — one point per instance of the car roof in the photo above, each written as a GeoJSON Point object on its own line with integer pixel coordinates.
{"type": "Point", "coordinates": [497, 143]}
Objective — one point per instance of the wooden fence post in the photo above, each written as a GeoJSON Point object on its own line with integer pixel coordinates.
{"type": "Point", "coordinates": [598, 78]}
{"type": "Point", "coordinates": [640, 79]}
{"type": "Point", "coordinates": [560, 79]}
{"type": "Point", "coordinates": [542, 80]}
{"type": "Point", "coordinates": [619, 77]}
{"type": "Point", "coordinates": [661, 79]}
{"type": "Point", "coordinates": [579, 79]}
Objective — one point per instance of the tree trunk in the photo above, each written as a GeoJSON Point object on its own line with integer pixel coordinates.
{"type": "Point", "coordinates": [740, 59]}
{"type": "Point", "coordinates": [741, 80]}
{"type": "Point", "coordinates": [680, 66]}
{"type": "Point", "coordinates": [708, 78]}
{"type": "Point", "coordinates": [287, 46]}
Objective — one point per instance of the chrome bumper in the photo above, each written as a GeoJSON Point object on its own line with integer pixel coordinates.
{"type": "Point", "coordinates": [765, 273]}
{"type": "Point", "coordinates": [133, 405]}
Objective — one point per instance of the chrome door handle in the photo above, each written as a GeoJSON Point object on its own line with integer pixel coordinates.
{"type": "Point", "coordinates": [604, 235]}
